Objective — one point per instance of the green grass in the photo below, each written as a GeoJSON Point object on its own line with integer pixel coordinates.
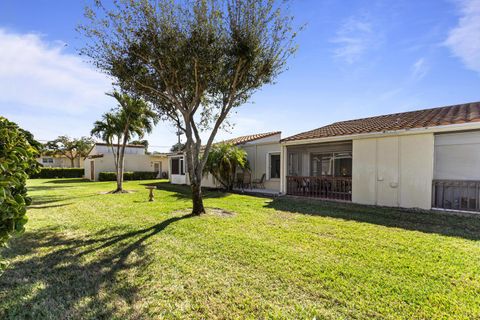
{"type": "Point", "coordinates": [89, 255]}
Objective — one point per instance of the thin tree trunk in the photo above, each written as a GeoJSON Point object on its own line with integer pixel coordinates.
{"type": "Point", "coordinates": [121, 163]}
{"type": "Point", "coordinates": [120, 175]}
{"type": "Point", "coordinates": [72, 163]}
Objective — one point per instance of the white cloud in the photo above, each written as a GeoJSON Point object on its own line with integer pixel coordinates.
{"type": "Point", "coordinates": [464, 39]}
{"type": "Point", "coordinates": [419, 69]}
{"type": "Point", "coordinates": [37, 75]}
{"type": "Point", "coordinates": [354, 38]}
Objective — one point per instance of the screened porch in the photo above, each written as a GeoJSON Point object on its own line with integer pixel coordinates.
{"type": "Point", "coordinates": [320, 171]}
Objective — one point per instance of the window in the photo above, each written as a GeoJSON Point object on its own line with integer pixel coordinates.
{"type": "Point", "coordinates": [331, 164]}
{"type": "Point", "coordinates": [322, 165]}
{"type": "Point", "coordinates": [274, 166]}
{"type": "Point", "coordinates": [343, 164]}
{"type": "Point", "coordinates": [177, 166]}
{"type": "Point", "coordinates": [47, 160]}
{"type": "Point", "coordinates": [294, 164]}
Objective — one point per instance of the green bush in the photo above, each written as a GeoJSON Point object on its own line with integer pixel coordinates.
{"type": "Point", "coordinates": [17, 157]}
{"type": "Point", "coordinates": [137, 175]}
{"type": "Point", "coordinates": [108, 176]}
{"type": "Point", "coordinates": [48, 173]}
{"type": "Point", "coordinates": [144, 175]}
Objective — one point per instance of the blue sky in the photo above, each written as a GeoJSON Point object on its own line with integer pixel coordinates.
{"type": "Point", "coordinates": [355, 59]}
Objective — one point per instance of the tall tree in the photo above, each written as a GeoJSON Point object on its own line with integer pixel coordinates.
{"type": "Point", "coordinates": [69, 147]}
{"type": "Point", "coordinates": [193, 60]}
{"type": "Point", "coordinates": [132, 118]}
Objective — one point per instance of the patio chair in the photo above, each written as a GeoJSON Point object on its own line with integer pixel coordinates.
{"type": "Point", "coordinates": [247, 180]}
{"type": "Point", "coordinates": [260, 183]}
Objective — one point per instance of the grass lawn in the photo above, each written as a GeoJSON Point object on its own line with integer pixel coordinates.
{"type": "Point", "coordinates": [89, 255]}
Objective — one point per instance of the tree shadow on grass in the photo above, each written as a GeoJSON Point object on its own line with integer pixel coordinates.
{"type": "Point", "coordinates": [49, 206]}
{"type": "Point", "coordinates": [64, 277]}
{"type": "Point", "coordinates": [44, 188]}
{"type": "Point", "coordinates": [464, 226]}
{"type": "Point", "coordinates": [48, 199]}
{"type": "Point", "coordinates": [68, 180]}
{"type": "Point", "coordinates": [183, 192]}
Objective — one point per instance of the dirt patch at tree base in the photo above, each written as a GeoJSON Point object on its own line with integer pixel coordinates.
{"type": "Point", "coordinates": [210, 211]}
{"type": "Point", "coordinates": [117, 192]}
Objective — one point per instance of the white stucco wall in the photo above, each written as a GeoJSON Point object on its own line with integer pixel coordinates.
{"type": "Point", "coordinates": [257, 154]}
{"type": "Point", "coordinates": [393, 171]}
{"type": "Point", "coordinates": [133, 162]}
{"type": "Point", "coordinates": [259, 161]}
{"type": "Point", "coordinates": [102, 149]}
{"type": "Point", "coordinates": [61, 162]}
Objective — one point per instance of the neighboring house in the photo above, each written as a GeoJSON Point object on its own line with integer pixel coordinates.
{"type": "Point", "coordinates": [263, 151]}
{"type": "Point", "coordinates": [59, 161]}
{"type": "Point", "coordinates": [100, 159]}
{"type": "Point", "coordinates": [420, 159]}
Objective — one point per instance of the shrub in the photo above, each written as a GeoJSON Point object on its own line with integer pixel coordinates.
{"type": "Point", "coordinates": [137, 175]}
{"type": "Point", "coordinates": [17, 157]}
{"type": "Point", "coordinates": [108, 176]}
{"type": "Point", "coordinates": [144, 175]}
{"type": "Point", "coordinates": [49, 173]}
{"type": "Point", "coordinates": [223, 161]}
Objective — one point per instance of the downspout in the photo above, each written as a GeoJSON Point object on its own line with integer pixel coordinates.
{"type": "Point", "coordinates": [255, 167]}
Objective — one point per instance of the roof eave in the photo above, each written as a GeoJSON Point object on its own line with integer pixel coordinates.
{"type": "Point", "coordinates": [433, 129]}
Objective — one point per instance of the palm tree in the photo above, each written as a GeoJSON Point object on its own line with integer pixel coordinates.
{"type": "Point", "coordinates": [223, 161]}
{"type": "Point", "coordinates": [109, 130]}
{"type": "Point", "coordinates": [132, 118]}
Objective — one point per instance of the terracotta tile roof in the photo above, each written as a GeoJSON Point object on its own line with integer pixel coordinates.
{"type": "Point", "coordinates": [461, 113]}
{"type": "Point", "coordinates": [249, 138]}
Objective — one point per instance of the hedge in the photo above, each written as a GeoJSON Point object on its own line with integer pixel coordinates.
{"type": "Point", "coordinates": [136, 175]}
{"type": "Point", "coordinates": [17, 159]}
{"type": "Point", "coordinates": [48, 173]}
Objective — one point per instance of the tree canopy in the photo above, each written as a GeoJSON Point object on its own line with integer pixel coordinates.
{"type": "Point", "coordinates": [72, 148]}
{"type": "Point", "coordinates": [141, 143]}
{"type": "Point", "coordinates": [193, 60]}
{"type": "Point", "coordinates": [177, 147]}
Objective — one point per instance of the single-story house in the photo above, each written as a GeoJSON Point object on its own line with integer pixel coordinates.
{"type": "Point", "coordinates": [420, 159]}
{"type": "Point", "coordinates": [100, 159]}
{"type": "Point", "coordinates": [59, 161]}
{"type": "Point", "coordinates": [263, 152]}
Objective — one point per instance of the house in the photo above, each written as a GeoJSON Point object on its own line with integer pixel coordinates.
{"type": "Point", "coordinates": [263, 152]}
{"type": "Point", "coordinates": [101, 159]}
{"type": "Point", "coordinates": [421, 159]}
{"type": "Point", "coordinates": [59, 161]}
